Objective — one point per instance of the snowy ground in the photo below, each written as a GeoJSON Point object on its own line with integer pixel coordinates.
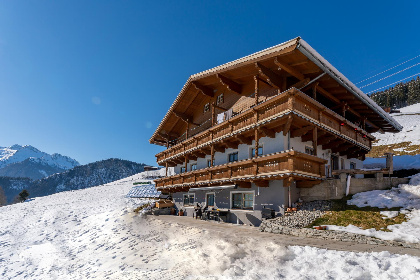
{"type": "Point", "coordinates": [92, 233]}
{"type": "Point", "coordinates": [406, 196]}
{"type": "Point", "coordinates": [409, 118]}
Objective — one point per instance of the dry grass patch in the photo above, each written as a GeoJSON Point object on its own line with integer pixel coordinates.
{"type": "Point", "coordinates": [365, 218]}
{"type": "Point", "coordinates": [406, 147]}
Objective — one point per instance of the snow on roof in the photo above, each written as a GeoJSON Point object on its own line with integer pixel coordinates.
{"type": "Point", "coordinates": [144, 191]}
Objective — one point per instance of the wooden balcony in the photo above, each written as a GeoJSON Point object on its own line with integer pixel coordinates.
{"type": "Point", "coordinates": [303, 109]}
{"type": "Point", "coordinates": [282, 165]}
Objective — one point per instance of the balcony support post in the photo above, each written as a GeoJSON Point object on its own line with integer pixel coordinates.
{"type": "Point", "coordinates": [213, 114]}
{"type": "Point", "coordinates": [166, 172]}
{"type": "Point", "coordinates": [256, 79]}
{"type": "Point", "coordinates": [212, 156]}
{"type": "Point", "coordinates": [186, 163]}
{"type": "Point", "coordinates": [315, 141]}
{"type": "Point", "coordinates": [257, 142]}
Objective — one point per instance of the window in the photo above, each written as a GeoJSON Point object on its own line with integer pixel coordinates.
{"type": "Point", "coordinates": [193, 166]}
{"type": "Point", "coordinates": [233, 157]}
{"type": "Point", "coordinates": [243, 200]}
{"type": "Point", "coordinates": [183, 169]}
{"type": "Point", "coordinates": [210, 199]}
{"type": "Point", "coordinates": [206, 107]}
{"type": "Point", "coordinates": [219, 99]}
{"type": "Point", "coordinates": [309, 150]}
{"type": "Point", "coordinates": [189, 199]}
{"type": "Point", "coordinates": [209, 163]}
{"type": "Point", "coordinates": [342, 163]}
{"type": "Point", "coordinates": [352, 165]}
{"type": "Point", "coordinates": [260, 151]}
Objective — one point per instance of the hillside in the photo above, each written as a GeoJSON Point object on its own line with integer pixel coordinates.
{"type": "Point", "coordinates": [80, 177]}
{"type": "Point", "coordinates": [94, 234]}
{"type": "Point", "coordinates": [28, 161]}
{"type": "Point", "coordinates": [406, 142]}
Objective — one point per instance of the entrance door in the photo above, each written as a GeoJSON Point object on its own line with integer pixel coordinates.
{"type": "Point", "coordinates": [210, 199]}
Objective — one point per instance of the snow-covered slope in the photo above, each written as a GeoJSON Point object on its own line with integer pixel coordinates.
{"type": "Point", "coordinates": [93, 234]}
{"type": "Point", "coordinates": [18, 153]}
{"type": "Point", "coordinates": [409, 118]}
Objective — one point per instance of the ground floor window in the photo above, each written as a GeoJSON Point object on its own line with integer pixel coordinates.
{"type": "Point", "coordinates": [210, 199]}
{"type": "Point", "coordinates": [243, 200]}
{"type": "Point", "coordinates": [189, 199]}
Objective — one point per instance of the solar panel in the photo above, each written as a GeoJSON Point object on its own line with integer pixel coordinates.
{"type": "Point", "coordinates": [144, 191]}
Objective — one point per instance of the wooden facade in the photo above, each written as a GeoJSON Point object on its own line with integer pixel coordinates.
{"type": "Point", "coordinates": [278, 90]}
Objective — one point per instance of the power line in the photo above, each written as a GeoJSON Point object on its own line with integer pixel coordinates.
{"type": "Point", "coordinates": [393, 83]}
{"type": "Point", "coordinates": [388, 69]}
{"type": "Point", "coordinates": [390, 75]}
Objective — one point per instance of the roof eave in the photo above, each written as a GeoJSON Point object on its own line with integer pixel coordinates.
{"type": "Point", "coordinates": [322, 63]}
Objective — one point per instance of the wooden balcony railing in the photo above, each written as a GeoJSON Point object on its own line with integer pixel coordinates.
{"type": "Point", "coordinates": [273, 164]}
{"type": "Point", "coordinates": [291, 101]}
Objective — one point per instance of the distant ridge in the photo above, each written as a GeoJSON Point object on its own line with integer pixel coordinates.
{"type": "Point", "coordinates": [79, 177]}
{"type": "Point", "coordinates": [28, 161]}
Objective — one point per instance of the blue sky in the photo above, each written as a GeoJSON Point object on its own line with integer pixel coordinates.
{"type": "Point", "coordinates": [93, 79]}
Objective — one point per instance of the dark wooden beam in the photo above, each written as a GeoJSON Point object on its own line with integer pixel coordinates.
{"type": "Point", "coordinates": [231, 145]}
{"type": "Point", "coordinates": [261, 183]}
{"type": "Point", "coordinates": [301, 84]}
{"type": "Point", "coordinates": [301, 131]}
{"type": "Point", "coordinates": [289, 69]}
{"type": "Point", "coordinates": [203, 89]}
{"type": "Point", "coordinates": [229, 84]}
{"type": "Point", "coordinates": [244, 140]}
{"type": "Point", "coordinates": [186, 118]}
{"type": "Point", "coordinates": [268, 132]}
{"type": "Point", "coordinates": [326, 139]}
{"type": "Point", "coordinates": [219, 149]}
{"type": "Point", "coordinates": [333, 144]}
{"type": "Point", "coordinates": [272, 78]}
{"type": "Point", "coordinates": [287, 125]}
{"type": "Point", "coordinates": [244, 185]}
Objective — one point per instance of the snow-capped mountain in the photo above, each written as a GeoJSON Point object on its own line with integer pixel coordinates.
{"type": "Point", "coordinates": [28, 161]}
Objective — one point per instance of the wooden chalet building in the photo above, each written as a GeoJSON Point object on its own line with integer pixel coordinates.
{"type": "Point", "coordinates": [249, 134]}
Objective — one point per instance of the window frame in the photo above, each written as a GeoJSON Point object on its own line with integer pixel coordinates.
{"type": "Point", "coordinates": [311, 149]}
{"type": "Point", "coordinates": [252, 151]}
{"type": "Point", "coordinates": [233, 153]}
{"type": "Point", "coordinates": [182, 170]}
{"type": "Point", "coordinates": [353, 163]}
{"type": "Point", "coordinates": [214, 199]}
{"type": "Point", "coordinates": [206, 108]}
{"type": "Point", "coordinates": [188, 196]}
{"type": "Point", "coordinates": [209, 161]}
{"type": "Point", "coordinates": [220, 99]}
{"type": "Point", "coordinates": [192, 166]}
{"type": "Point", "coordinates": [232, 193]}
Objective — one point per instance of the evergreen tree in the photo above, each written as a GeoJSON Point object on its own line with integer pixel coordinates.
{"type": "Point", "coordinates": [3, 200]}
{"type": "Point", "coordinates": [23, 195]}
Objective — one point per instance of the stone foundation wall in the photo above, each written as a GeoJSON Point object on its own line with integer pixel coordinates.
{"type": "Point", "coordinates": [336, 188]}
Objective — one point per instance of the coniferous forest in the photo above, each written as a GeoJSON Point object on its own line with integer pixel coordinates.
{"type": "Point", "coordinates": [401, 95]}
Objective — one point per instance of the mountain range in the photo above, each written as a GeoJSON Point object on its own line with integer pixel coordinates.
{"type": "Point", "coordinates": [28, 161]}
{"type": "Point", "coordinates": [41, 174]}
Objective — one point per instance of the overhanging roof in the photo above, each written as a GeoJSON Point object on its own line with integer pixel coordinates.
{"type": "Point", "coordinates": [289, 46]}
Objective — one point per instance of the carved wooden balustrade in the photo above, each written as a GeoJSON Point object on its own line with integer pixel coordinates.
{"type": "Point", "coordinates": [270, 166]}
{"type": "Point", "coordinates": [293, 102]}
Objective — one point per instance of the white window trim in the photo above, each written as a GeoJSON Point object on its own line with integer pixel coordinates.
{"type": "Point", "coordinates": [253, 200]}
{"type": "Point", "coordinates": [213, 193]}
